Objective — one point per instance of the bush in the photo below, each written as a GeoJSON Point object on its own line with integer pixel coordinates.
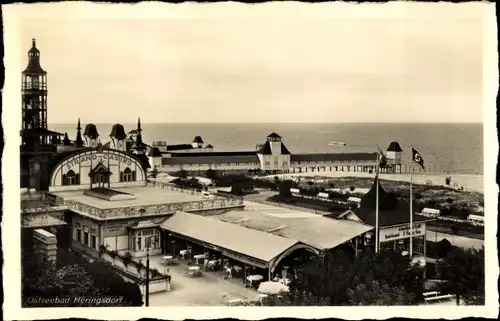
{"type": "Point", "coordinates": [113, 254]}
{"type": "Point", "coordinates": [126, 258]}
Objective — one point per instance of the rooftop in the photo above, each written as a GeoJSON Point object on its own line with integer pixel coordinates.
{"type": "Point", "coordinates": [144, 196]}
{"type": "Point", "coordinates": [319, 232]}
{"type": "Point", "coordinates": [157, 199]}
{"type": "Point", "coordinates": [250, 242]}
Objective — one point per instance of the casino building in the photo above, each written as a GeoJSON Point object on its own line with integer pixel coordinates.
{"type": "Point", "coordinates": [100, 194]}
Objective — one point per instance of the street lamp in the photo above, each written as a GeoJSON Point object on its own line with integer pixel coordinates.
{"type": "Point", "coordinates": [148, 246]}
{"type": "Point", "coordinates": [377, 172]}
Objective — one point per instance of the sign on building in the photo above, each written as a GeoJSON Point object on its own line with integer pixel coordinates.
{"type": "Point", "coordinates": [401, 232]}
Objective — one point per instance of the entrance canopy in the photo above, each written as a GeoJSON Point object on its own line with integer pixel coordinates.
{"type": "Point", "coordinates": [230, 239]}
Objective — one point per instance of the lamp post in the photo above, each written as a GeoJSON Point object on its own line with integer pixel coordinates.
{"type": "Point", "coordinates": [377, 172]}
{"type": "Point", "coordinates": [148, 246]}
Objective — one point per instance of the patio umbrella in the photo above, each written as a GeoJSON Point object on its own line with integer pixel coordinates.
{"type": "Point", "coordinates": [272, 287]}
{"type": "Point", "coordinates": [232, 299]}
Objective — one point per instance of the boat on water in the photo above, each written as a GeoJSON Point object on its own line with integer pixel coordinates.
{"type": "Point", "coordinates": [337, 143]}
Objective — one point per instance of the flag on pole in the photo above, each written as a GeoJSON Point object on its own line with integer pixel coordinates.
{"type": "Point", "coordinates": [417, 158]}
{"type": "Point", "coordinates": [382, 161]}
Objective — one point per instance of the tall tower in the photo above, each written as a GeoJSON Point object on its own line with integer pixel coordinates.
{"type": "Point", "coordinates": [34, 101]}
{"type": "Point", "coordinates": [38, 143]}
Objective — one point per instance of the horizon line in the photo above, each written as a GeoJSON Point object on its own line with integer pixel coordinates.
{"type": "Point", "coordinates": [270, 123]}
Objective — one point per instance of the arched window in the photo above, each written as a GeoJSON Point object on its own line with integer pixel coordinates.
{"type": "Point", "coordinates": [127, 175]}
{"type": "Point", "coordinates": [71, 178]}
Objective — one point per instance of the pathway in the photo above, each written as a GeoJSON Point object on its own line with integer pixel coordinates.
{"type": "Point", "coordinates": [456, 240]}
{"type": "Point", "coordinates": [207, 290]}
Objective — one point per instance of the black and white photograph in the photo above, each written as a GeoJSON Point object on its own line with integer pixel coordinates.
{"type": "Point", "coordinates": [183, 157]}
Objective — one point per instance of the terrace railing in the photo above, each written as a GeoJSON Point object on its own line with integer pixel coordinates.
{"type": "Point", "coordinates": [151, 210]}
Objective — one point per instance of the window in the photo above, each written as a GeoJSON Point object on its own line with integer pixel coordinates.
{"type": "Point", "coordinates": [126, 175]}
{"type": "Point", "coordinates": [35, 83]}
{"type": "Point", "coordinates": [93, 238]}
{"type": "Point", "coordinates": [71, 178]}
{"type": "Point", "coordinates": [86, 235]}
{"type": "Point", "coordinates": [100, 178]}
{"type": "Point", "coordinates": [148, 237]}
{"type": "Point", "coordinates": [78, 232]}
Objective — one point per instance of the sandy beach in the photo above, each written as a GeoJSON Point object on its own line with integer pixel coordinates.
{"type": "Point", "coordinates": [469, 182]}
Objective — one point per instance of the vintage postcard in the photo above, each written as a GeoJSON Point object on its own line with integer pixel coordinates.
{"type": "Point", "coordinates": [194, 161]}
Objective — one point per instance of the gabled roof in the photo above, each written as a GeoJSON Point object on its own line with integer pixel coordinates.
{"type": "Point", "coordinates": [266, 149]}
{"type": "Point", "coordinates": [154, 152]}
{"type": "Point", "coordinates": [100, 168]}
{"type": "Point", "coordinates": [274, 135]}
{"type": "Point", "coordinates": [391, 210]}
{"type": "Point", "coordinates": [252, 243]}
{"type": "Point", "coordinates": [319, 232]}
{"type": "Point", "coordinates": [333, 157]}
{"type": "Point", "coordinates": [394, 147]}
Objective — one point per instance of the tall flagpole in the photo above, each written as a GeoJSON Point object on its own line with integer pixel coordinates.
{"type": "Point", "coordinates": [411, 203]}
{"type": "Point", "coordinates": [376, 201]}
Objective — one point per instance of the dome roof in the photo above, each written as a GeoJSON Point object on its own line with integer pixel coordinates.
{"type": "Point", "coordinates": [91, 131]}
{"type": "Point", "coordinates": [34, 61]}
{"type": "Point", "coordinates": [198, 140]}
{"type": "Point", "coordinates": [118, 132]}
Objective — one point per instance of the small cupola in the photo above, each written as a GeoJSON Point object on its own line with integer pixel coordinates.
{"type": "Point", "coordinates": [118, 137]}
{"type": "Point", "coordinates": [34, 60]}
{"type": "Point", "coordinates": [197, 142]}
{"type": "Point", "coordinates": [91, 135]}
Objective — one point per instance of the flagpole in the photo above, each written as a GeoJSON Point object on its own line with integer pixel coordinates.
{"type": "Point", "coordinates": [411, 203]}
{"type": "Point", "coordinates": [376, 201]}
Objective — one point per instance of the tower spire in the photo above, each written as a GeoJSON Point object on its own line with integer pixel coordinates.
{"type": "Point", "coordinates": [139, 130]}
{"type": "Point", "coordinates": [78, 140]}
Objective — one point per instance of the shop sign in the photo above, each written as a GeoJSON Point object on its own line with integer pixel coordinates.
{"type": "Point", "coordinates": [96, 157]}
{"type": "Point", "coordinates": [401, 232]}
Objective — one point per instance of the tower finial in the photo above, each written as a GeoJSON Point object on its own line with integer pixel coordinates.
{"type": "Point", "coordinates": [78, 127]}
{"type": "Point", "coordinates": [139, 124]}
{"type": "Point", "coordinates": [34, 42]}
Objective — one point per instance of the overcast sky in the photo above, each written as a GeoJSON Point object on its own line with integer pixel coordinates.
{"type": "Point", "coordinates": [262, 68]}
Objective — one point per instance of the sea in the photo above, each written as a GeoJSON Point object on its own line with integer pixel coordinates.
{"type": "Point", "coordinates": [445, 148]}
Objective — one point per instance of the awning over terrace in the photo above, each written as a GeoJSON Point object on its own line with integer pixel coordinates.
{"type": "Point", "coordinates": [251, 246]}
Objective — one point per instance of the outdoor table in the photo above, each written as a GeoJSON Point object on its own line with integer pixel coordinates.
{"type": "Point", "coordinates": [198, 257]}
{"type": "Point", "coordinates": [212, 263]}
{"type": "Point", "coordinates": [183, 253]}
{"type": "Point", "coordinates": [166, 259]}
{"type": "Point", "coordinates": [255, 278]}
{"type": "Point", "coordinates": [194, 270]}
{"type": "Point", "coordinates": [285, 281]}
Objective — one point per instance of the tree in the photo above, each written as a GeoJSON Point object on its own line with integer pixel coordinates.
{"type": "Point", "coordinates": [154, 172]}
{"type": "Point", "coordinates": [211, 174]}
{"type": "Point", "coordinates": [182, 174]}
{"type": "Point", "coordinates": [372, 293]}
{"type": "Point", "coordinates": [285, 187]}
{"type": "Point", "coordinates": [340, 272]}
{"type": "Point", "coordinates": [463, 273]}
{"type": "Point", "coordinates": [72, 277]}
